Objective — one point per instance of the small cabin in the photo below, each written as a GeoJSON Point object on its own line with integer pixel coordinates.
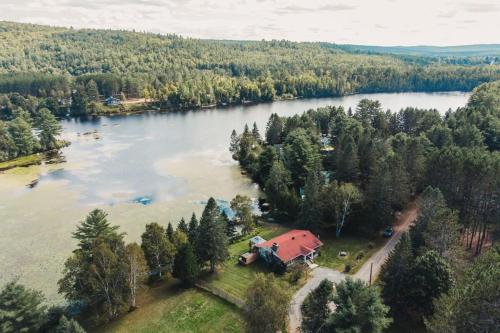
{"type": "Point", "coordinates": [112, 101]}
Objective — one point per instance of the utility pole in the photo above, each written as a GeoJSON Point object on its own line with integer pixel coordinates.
{"type": "Point", "coordinates": [371, 269]}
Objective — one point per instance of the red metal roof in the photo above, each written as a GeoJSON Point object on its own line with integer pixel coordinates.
{"type": "Point", "coordinates": [293, 244]}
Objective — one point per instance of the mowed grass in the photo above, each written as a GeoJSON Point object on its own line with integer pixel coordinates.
{"type": "Point", "coordinates": [234, 278]}
{"type": "Point", "coordinates": [354, 246]}
{"type": "Point", "coordinates": [169, 308]}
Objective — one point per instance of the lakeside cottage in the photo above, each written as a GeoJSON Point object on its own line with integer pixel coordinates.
{"type": "Point", "coordinates": [295, 246]}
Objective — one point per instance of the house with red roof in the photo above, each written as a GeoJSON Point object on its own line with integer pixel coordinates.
{"type": "Point", "coordinates": [291, 247]}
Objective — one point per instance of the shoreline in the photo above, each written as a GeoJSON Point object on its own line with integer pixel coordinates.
{"type": "Point", "coordinates": [143, 107]}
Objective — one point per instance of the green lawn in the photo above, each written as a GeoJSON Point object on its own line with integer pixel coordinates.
{"type": "Point", "coordinates": [168, 308]}
{"type": "Point", "coordinates": [234, 278]}
{"type": "Point", "coordinates": [21, 162]}
{"type": "Point", "coordinates": [354, 246]}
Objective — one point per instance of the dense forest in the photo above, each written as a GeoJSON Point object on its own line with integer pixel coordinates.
{"type": "Point", "coordinates": [88, 65]}
{"type": "Point", "coordinates": [336, 170]}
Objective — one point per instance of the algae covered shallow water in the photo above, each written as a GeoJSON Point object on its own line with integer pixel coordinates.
{"type": "Point", "coordinates": [139, 168]}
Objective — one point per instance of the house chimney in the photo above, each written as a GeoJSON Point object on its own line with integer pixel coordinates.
{"type": "Point", "coordinates": [275, 247]}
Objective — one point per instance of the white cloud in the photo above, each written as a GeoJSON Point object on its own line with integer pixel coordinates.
{"type": "Point", "coordinates": [378, 22]}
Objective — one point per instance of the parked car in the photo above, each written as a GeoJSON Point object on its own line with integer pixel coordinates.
{"type": "Point", "coordinates": [388, 232]}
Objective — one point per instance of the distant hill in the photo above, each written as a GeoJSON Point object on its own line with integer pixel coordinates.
{"type": "Point", "coordinates": [190, 73]}
{"type": "Point", "coordinates": [478, 50]}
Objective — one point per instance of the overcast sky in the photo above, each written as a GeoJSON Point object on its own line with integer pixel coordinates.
{"type": "Point", "coordinates": [375, 22]}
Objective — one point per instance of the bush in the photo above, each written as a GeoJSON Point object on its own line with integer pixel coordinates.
{"type": "Point", "coordinates": [371, 245]}
{"type": "Point", "coordinates": [296, 273]}
{"type": "Point", "coordinates": [360, 255]}
{"type": "Point", "coordinates": [347, 267]}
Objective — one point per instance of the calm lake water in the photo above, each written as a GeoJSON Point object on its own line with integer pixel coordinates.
{"type": "Point", "coordinates": [139, 168]}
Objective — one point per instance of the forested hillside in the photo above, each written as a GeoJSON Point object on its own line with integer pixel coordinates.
{"type": "Point", "coordinates": [188, 73]}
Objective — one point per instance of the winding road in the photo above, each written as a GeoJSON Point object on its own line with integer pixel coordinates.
{"type": "Point", "coordinates": [402, 224]}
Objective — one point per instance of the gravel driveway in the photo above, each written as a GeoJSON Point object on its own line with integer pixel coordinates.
{"type": "Point", "coordinates": [378, 259]}
{"type": "Point", "coordinates": [315, 277]}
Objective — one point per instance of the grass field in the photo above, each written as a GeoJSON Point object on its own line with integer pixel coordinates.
{"type": "Point", "coordinates": [169, 308]}
{"type": "Point", "coordinates": [354, 246]}
{"type": "Point", "coordinates": [21, 162]}
{"type": "Point", "coordinates": [234, 278]}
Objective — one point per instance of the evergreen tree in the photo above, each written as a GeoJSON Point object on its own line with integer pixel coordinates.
{"type": "Point", "coordinates": [234, 145]}
{"type": "Point", "coordinates": [8, 148]}
{"type": "Point", "coordinates": [316, 307]}
{"type": "Point", "coordinates": [256, 134]}
{"type": "Point", "coordinates": [92, 91]}
{"type": "Point", "coordinates": [96, 272]}
{"type": "Point", "coordinates": [274, 129]}
{"type": "Point", "coordinates": [472, 304]}
{"type": "Point", "coordinates": [211, 242]}
{"type": "Point", "coordinates": [182, 226]}
{"type": "Point", "coordinates": [158, 249]}
{"type": "Point", "coordinates": [395, 276]}
{"type": "Point", "coordinates": [21, 309]}
{"type": "Point", "coordinates": [21, 134]}
{"type": "Point", "coordinates": [265, 163]}
{"type": "Point", "coordinates": [277, 185]}
{"type": "Point", "coordinates": [94, 226]}
{"type": "Point", "coordinates": [79, 102]}
{"type": "Point", "coordinates": [430, 277]}
{"type": "Point", "coordinates": [359, 308]}
{"type": "Point", "coordinates": [301, 155]}
{"type": "Point", "coordinates": [49, 129]}
{"type": "Point", "coordinates": [347, 160]}
{"type": "Point", "coordinates": [193, 229]}
{"type": "Point", "coordinates": [185, 265]}
{"type": "Point", "coordinates": [170, 232]}
{"type": "Point", "coordinates": [310, 215]}
{"type": "Point", "coordinates": [68, 326]}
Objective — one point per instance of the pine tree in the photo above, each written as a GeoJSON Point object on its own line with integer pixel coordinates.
{"type": "Point", "coordinates": [185, 265]}
{"type": "Point", "coordinates": [95, 226]}
{"type": "Point", "coordinates": [96, 272]}
{"type": "Point", "coordinates": [49, 129]}
{"type": "Point", "coordinates": [68, 326]}
{"type": "Point", "coordinates": [431, 277]}
{"type": "Point", "coordinates": [21, 309]}
{"type": "Point", "coordinates": [211, 242]}
{"type": "Point", "coordinates": [316, 307]}
{"type": "Point", "coordinates": [347, 160]}
{"type": "Point", "coordinates": [21, 134]}
{"type": "Point", "coordinates": [234, 145]}
{"type": "Point", "coordinates": [256, 134]}
{"type": "Point", "coordinates": [170, 232]}
{"type": "Point", "coordinates": [193, 229]}
{"type": "Point", "coordinates": [182, 226]}
{"type": "Point", "coordinates": [395, 275]}
{"type": "Point", "coordinates": [274, 129]}
{"type": "Point", "coordinates": [359, 308]}
{"type": "Point", "coordinates": [310, 215]}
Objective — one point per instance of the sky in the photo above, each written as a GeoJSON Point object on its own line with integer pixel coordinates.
{"type": "Point", "coordinates": [369, 22]}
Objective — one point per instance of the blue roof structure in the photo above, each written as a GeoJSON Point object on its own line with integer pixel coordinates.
{"type": "Point", "coordinates": [256, 240]}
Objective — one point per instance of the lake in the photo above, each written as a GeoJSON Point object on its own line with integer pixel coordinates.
{"type": "Point", "coordinates": [139, 168]}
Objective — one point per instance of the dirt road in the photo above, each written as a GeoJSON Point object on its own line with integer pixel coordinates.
{"type": "Point", "coordinates": [404, 222]}
{"type": "Point", "coordinates": [317, 275]}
